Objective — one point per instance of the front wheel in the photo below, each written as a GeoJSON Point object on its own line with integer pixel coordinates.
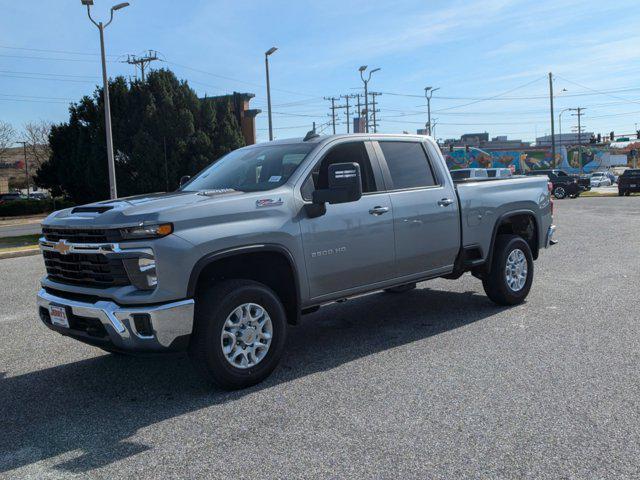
{"type": "Point", "coordinates": [511, 274]}
{"type": "Point", "coordinates": [620, 193]}
{"type": "Point", "coordinates": [239, 333]}
{"type": "Point", "coordinates": [559, 193]}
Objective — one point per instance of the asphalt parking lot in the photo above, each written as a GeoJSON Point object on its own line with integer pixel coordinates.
{"type": "Point", "coordinates": [434, 383]}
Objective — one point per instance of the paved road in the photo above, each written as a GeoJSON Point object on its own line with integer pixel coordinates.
{"type": "Point", "coordinates": [17, 227]}
{"type": "Point", "coordinates": [434, 383]}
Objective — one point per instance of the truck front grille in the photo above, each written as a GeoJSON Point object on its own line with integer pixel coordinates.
{"type": "Point", "coordinates": [84, 235]}
{"type": "Point", "coordinates": [89, 270]}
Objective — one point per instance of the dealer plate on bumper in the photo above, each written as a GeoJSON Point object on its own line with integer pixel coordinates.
{"type": "Point", "coordinates": [58, 316]}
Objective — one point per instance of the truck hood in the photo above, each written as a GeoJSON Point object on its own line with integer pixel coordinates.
{"type": "Point", "coordinates": [141, 208]}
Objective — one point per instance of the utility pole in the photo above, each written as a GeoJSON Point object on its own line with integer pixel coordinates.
{"type": "Point", "coordinates": [333, 112]}
{"type": "Point", "coordinates": [374, 110]}
{"type": "Point", "coordinates": [266, 66]}
{"type": "Point", "coordinates": [579, 115]}
{"type": "Point", "coordinates": [428, 93]}
{"type": "Point", "coordinates": [113, 191]}
{"type": "Point", "coordinates": [359, 114]}
{"type": "Point", "coordinates": [26, 166]}
{"type": "Point", "coordinates": [347, 106]}
{"type": "Point", "coordinates": [142, 62]}
{"type": "Point", "coordinates": [553, 135]}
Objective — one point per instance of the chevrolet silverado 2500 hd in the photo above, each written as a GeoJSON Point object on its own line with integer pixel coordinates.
{"type": "Point", "coordinates": [269, 232]}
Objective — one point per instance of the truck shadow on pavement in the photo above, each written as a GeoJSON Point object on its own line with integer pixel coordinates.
{"type": "Point", "coordinates": [92, 406]}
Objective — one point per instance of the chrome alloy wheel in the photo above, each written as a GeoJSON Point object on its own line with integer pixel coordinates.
{"type": "Point", "coordinates": [516, 270]}
{"type": "Point", "coordinates": [246, 335]}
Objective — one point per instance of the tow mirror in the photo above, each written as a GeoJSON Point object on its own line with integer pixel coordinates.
{"type": "Point", "coordinates": [345, 185]}
{"type": "Point", "coordinates": [184, 180]}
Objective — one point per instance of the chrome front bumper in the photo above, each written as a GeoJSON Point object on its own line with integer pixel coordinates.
{"type": "Point", "coordinates": [171, 323]}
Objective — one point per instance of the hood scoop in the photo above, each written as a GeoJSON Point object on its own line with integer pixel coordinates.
{"type": "Point", "coordinates": [101, 209]}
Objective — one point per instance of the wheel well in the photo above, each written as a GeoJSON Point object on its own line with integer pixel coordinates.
{"type": "Point", "coordinates": [523, 225]}
{"type": "Point", "coordinates": [270, 268]}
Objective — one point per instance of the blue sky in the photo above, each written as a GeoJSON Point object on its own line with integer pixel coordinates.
{"type": "Point", "coordinates": [472, 50]}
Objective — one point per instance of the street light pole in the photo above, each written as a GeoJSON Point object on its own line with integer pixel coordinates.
{"type": "Point", "coordinates": [366, 94]}
{"type": "Point", "coordinates": [266, 66]}
{"type": "Point", "coordinates": [113, 191]}
{"type": "Point", "coordinates": [428, 93]}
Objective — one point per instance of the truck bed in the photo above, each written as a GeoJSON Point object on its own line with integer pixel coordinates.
{"type": "Point", "coordinates": [484, 201]}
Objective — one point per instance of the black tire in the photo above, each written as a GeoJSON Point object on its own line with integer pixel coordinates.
{"type": "Point", "coordinates": [559, 192]}
{"type": "Point", "coordinates": [620, 193]}
{"type": "Point", "coordinates": [495, 283]}
{"type": "Point", "coordinates": [627, 193]}
{"type": "Point", "coordinates": [401, 288]}
{"type": "Point", "coordinates": [213, 305]}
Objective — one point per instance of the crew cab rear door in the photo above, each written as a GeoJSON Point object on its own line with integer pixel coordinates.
{"type": "Point", "coordinates": [425, 207]}
{"type": "Point", "coordinates": [352, 244]}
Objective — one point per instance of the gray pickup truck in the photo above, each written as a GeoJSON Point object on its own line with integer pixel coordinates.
{"type": "Point", "coordinates": [272, 231]}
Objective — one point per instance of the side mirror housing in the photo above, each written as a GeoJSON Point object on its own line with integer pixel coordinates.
{"type": "Point", "coordinates": [184, 180]}
{"type": "Point", "coordinates": [345, 185]}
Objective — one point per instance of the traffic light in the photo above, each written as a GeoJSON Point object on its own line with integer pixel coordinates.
{"type": "Point", "coordinates": [599, 138]}
{"type": "Point", "coordinates": [638, 134]}
{"type": "Point", "coordinates": [592, 140]}
{"type": "Point", "coordinates": [451, 147]}
{"type": "Point", "coordinates": [612, 136]}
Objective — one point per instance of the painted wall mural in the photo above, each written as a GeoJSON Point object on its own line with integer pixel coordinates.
{"type": "Point", "coordinates": [567, 159]}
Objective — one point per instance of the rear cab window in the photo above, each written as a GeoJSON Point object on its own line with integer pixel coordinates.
{"type": "Point", "coordinates": [408, 164]}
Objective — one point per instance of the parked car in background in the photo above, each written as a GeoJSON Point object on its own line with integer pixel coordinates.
{"type": "Point", "coordinates": [562, 184]}
{"type": "Point", "coordinates": [469, 173]}
{"type": "Point", "coordinates": [10, 197]}
{"type": "Point", "coordinates": [499, 172]}
{"type": "Point", "coordinates": [38, 196]}
{"type": "Point", "coordinates": [584, 181]}
{"type": "Point", "coordinates": [629, 182]}
{"type": "Point", "coordinates": [600, 179]}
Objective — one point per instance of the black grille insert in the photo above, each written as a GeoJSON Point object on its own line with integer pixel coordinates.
{"type": "Point", "coordinates": [84, 235]}
{"type": "Point", "coordinates": [90, 270]}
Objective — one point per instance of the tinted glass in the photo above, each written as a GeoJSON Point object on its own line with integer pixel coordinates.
{"type": "Point", "coordinates": [631, 173]}
{"type": "Point", "coordinates": [253, 169]}
{"type": "Point", "coordinates": [346, 152]}
{"type": "Point", "coordinates": [408, 164]}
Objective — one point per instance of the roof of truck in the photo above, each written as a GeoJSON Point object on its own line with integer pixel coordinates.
{"type": "Point", "coordinates": [325, 138]}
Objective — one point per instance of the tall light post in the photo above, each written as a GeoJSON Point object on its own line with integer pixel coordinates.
{"type": "Point", "coordinates": [366, 94]}
{"type": "Point", "coordinates": [560, 123]}
{"type": "Point", "coordinates": [428, 93]}
{"type": "Point", "coordinates": [113, 191]}
{"type": "Point", "coordinates": [266, 66]}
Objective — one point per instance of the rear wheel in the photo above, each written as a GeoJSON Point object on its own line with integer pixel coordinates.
{"type": "Point", "coordinates": [559, 193]}
{"type": "Point", "coordinates": [511, 274]}
{"type": "Point", "coordinates": [620, 193]}
{"type": "Point", "coordinates": [239, 333]}
{"type": "Point", "coordinates": [627, 193]}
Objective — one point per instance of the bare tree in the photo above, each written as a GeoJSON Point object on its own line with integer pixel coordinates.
{"type": "Point", "coordinates": [7, 137]}
{"type": "Point", "coordinates": [36, 136]}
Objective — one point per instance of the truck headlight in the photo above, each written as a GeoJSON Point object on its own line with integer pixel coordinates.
{"type": "Point", "coordinates": [147, 231]}
{"type": "Point", "coordinates": [142, 272]}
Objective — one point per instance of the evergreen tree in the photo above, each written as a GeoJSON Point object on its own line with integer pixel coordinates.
{"type": "Point", "coordinates": [161, 131]}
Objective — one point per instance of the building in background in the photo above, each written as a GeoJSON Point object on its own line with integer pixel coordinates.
{"type": "Point", "coordinates": [570, 138]}
{"type": "Point", "coordinates": [245, 116]}
{"type": "Point", "coordinates": [481, 140]}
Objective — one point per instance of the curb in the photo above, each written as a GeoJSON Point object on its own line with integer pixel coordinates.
{"type": "Point", "coordinates": [25, 252]}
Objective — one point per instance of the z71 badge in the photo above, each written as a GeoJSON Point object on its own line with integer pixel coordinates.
{"type": "Point", "coordinates": [269, 202]}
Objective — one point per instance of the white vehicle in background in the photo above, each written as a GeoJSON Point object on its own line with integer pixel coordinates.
{"type": "Point", "coordinates": [468, 173]}
{"type": "Point", "coordinates": [499, 172]}
{"type": "Point", "coordinates": [600, 179]}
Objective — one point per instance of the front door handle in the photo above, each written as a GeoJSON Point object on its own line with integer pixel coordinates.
{"type": "Point", "coordinates": [445, 202]}
{"type": "Point", "coordinates": [378, 210]}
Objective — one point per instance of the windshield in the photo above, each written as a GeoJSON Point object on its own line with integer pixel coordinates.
{"type": "Point", "coordinates": [253, 169]}
{"type": "Point", "coordinates": [631, 173]}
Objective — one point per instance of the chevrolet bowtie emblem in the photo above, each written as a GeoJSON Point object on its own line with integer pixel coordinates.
{"type": "Point", "coordinates": [62, 247]}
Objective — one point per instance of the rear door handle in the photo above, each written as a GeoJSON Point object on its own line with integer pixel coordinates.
{"type": "Point", "coordinates": [378, 210]}
{"type": "Point", "coordinates": [445, 202]}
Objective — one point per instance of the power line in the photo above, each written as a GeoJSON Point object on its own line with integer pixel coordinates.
{"type": "Point", "coordinates": [600, 92]}
{"type": "Point", "coordinates": [52, 51]}
{"type": "Point", "coordinates": [142, 61]}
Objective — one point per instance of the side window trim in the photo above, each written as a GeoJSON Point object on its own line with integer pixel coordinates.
{"type": "Point", "coordinates": [373, 161]}
{"type": "Point", "coordinates": [387, 173]}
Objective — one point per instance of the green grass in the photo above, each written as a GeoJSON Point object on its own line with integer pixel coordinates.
{"type": "Point", "coordinates": [20, 241]}
{"type": "Point", "coordinates": [598, 194]}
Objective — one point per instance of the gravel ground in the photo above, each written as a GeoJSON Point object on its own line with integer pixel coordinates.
{"type": "Point", "coordinates": [434, 383]}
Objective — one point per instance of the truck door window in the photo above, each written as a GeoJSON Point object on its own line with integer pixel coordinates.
{"type": "Point", "coordinates": [408, 165]}
{"type": "Point", "coordinates": [345, 152]}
